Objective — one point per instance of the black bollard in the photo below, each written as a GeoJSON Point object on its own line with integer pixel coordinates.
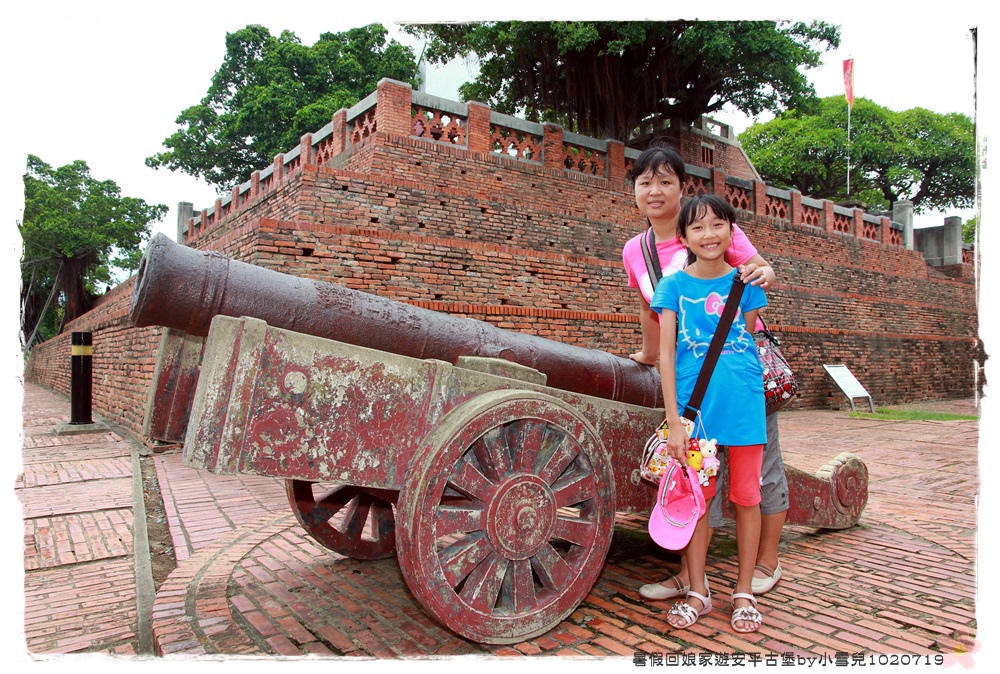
{"type": "Point", "coordinates": [81, 379]}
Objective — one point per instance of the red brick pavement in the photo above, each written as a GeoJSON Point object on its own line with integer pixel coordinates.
{"type": "Point", "coordinates": [76, 497]}
{"type": "Point", "coordinates": [251, 582]}
{"type": "Point", "coordinates": [201, 506]}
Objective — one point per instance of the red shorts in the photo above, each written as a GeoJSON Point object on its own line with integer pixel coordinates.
{"type": "Point", "coordinates": [744, 473]}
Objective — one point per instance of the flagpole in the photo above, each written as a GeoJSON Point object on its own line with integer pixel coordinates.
{"type": "Point", "coordinates": [848, 150]}
{"type": "Point", "coordinates": [849, 91]}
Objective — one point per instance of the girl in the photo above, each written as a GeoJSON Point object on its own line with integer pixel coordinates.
{"type": "Point", "coordinates": [690, 303]}
{"type": "Point", "coordinates": [658, 175]}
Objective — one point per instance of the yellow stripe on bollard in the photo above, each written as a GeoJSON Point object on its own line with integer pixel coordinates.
{"type": "Point", "coordinates": [81, 350]}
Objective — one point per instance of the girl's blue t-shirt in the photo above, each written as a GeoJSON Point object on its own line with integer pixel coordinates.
{"type": "Point", "coordinates": [732, 410]}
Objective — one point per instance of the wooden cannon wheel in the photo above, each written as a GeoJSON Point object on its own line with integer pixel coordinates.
{"type": "Point", "coordinates": [507, 516]}
{"type": "Point", "coordinates": [365, 528]}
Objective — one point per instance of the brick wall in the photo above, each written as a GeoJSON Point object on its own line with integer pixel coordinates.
{"type": "Point", "coordinates": [535, 248]}
{"type": "Point", "coordinates": [122, 364]}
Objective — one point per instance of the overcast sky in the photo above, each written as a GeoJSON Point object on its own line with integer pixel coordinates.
{"type": "Point", "coordinates": [104, 80]}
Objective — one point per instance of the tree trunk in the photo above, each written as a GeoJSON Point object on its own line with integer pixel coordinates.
{"type": "Point", "coordinates": [78, 300]}
{"type": "Point", "coordinates": [31, 315]}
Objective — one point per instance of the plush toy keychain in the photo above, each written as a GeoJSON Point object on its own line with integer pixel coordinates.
{"type": "Point", "coordinates": [710, 458]}
{"type": "Point", "coordinates": [694, 456]}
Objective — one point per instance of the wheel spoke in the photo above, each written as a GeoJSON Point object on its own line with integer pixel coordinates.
{"type": "Point", "coordinates": [574, 489]}
{"type": "Point", "coordinates": [453, 520]}
{"type": "Point", "coordinates": [332, 502]}
{"type": "Point", "coordinates": [385, 523]}
{"type": "Point", "coordinates": [356, 517]}
{"type": "Point", "coordinates": [575, 531]}
{"type": "Point", "coordinates": [482, 587]}
{"type": "Point", "coordinates": [525, 439]}
{"type": "Point", "coordinates": [493, 454]}
{"type": "Point", "coordinates": [560, 453]}
{"type": "Point", "coordinates": [552, 569]}
{"type": "Point", "coordinates": [468, 480]}
{"type": "Point", "coordinates": [459, 559]}
{"type": "Point", "coordinates": [521, 585]}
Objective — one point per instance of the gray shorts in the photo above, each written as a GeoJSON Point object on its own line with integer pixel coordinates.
{"type": "Point", "coordinates": [773, 484]}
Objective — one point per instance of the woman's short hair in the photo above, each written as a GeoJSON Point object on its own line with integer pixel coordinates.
{"type": "Point", "coordinates": [657, 157]}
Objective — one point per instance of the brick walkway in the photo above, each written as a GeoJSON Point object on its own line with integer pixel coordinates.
{"type": "Point", "coordinates": [250, 581]}
{"type": "Point", "coordinates": [76, 495]}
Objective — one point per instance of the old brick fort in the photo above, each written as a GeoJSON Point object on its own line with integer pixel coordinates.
{"type": "Point", "coordinates": [460, 209]}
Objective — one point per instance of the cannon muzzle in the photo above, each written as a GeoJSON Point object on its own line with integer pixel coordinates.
{"type": "Point", "coordinates": [183, 288]}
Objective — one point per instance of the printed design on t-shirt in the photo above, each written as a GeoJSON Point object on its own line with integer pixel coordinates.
{"type": "Point", "coordinates": [714, 304]}
{"type": "Point", "coordinates": [677, 262]}
{"type": "Point", "coordinates": [694, 334]}
{"type": "Point", "coordinates": [674, 265]}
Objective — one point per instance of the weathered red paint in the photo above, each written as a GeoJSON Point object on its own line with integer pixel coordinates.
{"type": "Point", "coordinates": [509, 515]}
{"type": "Point", "coordinates": [178, 364]}
{"type": "Point", "coordinates": [516, 489]}
{"type": "Point", "coordinates": [346, 519]}
{"type": "Point", "coordinates": [833, 498]}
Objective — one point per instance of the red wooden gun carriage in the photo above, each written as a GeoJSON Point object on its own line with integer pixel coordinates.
{"type": "Point", "coordinates": [490, 462]}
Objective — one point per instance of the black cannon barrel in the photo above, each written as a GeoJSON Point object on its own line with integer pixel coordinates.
{"type": "Point", "coordinates": [183, 288]}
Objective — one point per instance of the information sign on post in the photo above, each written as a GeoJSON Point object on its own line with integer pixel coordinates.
{"type": "Point", "coordinates": [849, 384]}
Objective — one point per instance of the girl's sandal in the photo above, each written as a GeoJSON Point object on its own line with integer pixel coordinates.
{"type": "Point", "coordinates": [748, 614]}
{"type": "Point", "coordinates": [661, 590]}
{"type": "Point", "coordinates": [689, 614]}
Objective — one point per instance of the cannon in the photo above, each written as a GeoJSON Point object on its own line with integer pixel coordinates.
{"type": "Point", "coordinates": [183, 288]}
{"type": "Point", "coordinates": [490, 463]}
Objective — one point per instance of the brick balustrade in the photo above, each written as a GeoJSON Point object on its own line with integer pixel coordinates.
{"type": "Point", "coordinates": [394, 108]}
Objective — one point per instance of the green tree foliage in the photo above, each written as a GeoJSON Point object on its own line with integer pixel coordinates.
{"type": "Point", "coordinates": [923, 156]}
{"type": "Point", "coordinates": [970, 230]}
{"type": "Point", "coordinates": [603, 78]}
{"type": "Point", "coordinates": [270, 91]}
{"type": "Point", "coordinates": [74, 231]}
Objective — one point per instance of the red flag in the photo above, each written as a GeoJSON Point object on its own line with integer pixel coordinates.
{"type": "Point", "coordinates": [849, 80]}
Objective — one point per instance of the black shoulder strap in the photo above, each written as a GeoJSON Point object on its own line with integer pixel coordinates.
{"type": "Point", "coordinates": [715, 348]}
{"type": "Point", "coordinates": [648, 244]}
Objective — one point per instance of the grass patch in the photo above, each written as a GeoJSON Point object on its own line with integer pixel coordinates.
{"type": "Point", "coordinates": [895, 414]}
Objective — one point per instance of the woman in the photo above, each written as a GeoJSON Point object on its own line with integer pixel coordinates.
{"type": "Point", "coordinates": [658, 176]}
